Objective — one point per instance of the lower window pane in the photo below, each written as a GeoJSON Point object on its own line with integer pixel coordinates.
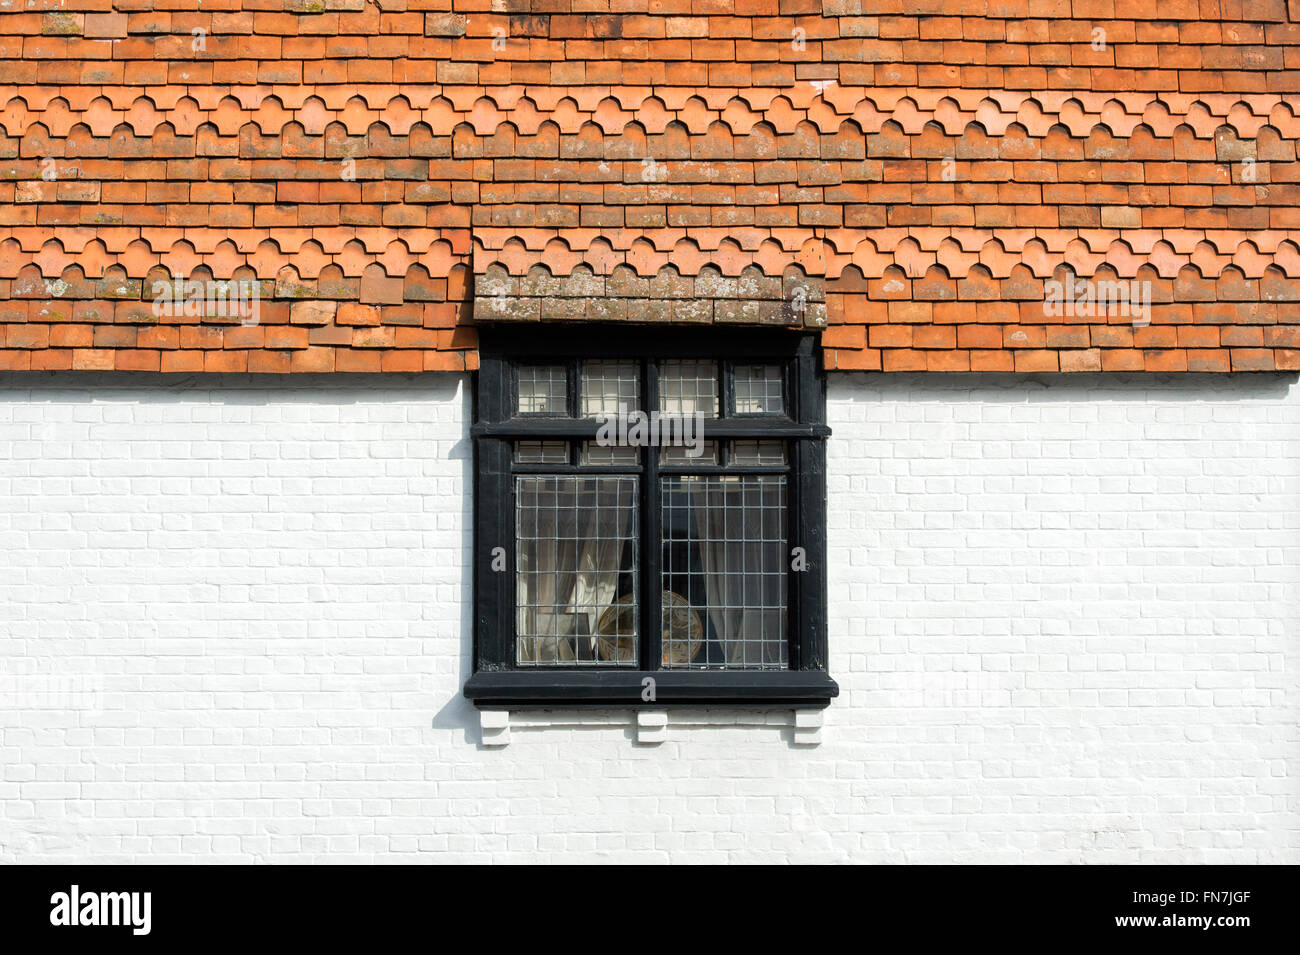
{"type": "Point", "coordinates": [609, 454]}
{"type": "Point", "coordinates": [576, 570]}
{"type": "Point", "coordinates": [724, 572]}
{"type": "Point", "coordinates": [757, 452]}
{"type": "Point", "coordinates": [541, 452]}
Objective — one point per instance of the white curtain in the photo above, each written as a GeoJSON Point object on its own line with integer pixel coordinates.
{"type": "Point", "coordinates": [572, 533]}
{"type": "Point", "coordinates": [741, 525]}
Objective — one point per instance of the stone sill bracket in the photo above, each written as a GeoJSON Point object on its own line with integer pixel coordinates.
{"type": "Point", "coordinates": [652, 726]}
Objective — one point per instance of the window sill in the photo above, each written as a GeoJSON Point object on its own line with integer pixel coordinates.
{"type": "Point", "coordinates": [800, 726]}
{"type": "Point", "coordinates": [627, 689]}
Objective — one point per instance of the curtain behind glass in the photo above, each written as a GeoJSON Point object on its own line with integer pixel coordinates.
{"type": "Point", "coordinates": [572, 536]}
{"type": "Point", "coordinates": [740, 524]}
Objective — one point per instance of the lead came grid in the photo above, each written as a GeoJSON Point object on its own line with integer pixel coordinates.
{"type": "Point", "coordinates": [543, 389]}
{"type": "Point", "coordinates": [610, 387]}
{"type": "Point", "coordinates": [611, 455]}
{"type": "Point", "coordinates": [688, 387]}
{"type": "Point", "coordinates": [679, 456]}
{"type": "Point", "coordinates": [725, 554]}
{"type": "Point", "coordinates": [757, 453]}
{"type": "Point", "coordinates": [759, 389]}
{"type": "Point", "coordinates": [541, 452]}
{"type": "Point", "coordinates": [576, 570]}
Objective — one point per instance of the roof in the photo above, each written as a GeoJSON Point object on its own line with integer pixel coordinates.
{"type": "Point", "coordinates": [915, 179]}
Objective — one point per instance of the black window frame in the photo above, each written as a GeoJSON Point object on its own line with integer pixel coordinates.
{"type": "Point", "coordinates": [497, 681]}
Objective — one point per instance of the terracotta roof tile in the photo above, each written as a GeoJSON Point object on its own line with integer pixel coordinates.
{"type": "Point", "coordinates": [954, 156]}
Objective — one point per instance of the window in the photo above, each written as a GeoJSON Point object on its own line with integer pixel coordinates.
{"type": "Point", "coordinates": [649, 519]}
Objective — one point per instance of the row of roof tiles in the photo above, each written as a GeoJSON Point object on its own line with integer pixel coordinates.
{"type": "Point", "coordinates": [936, 282]}
{"type": "Point", "coordinates": [401, 246]}
{"type": "Point", "coordinates": [869, 253]}
{"type": "Point", "coordinates": [558, 18]}
{"type": "Point", "coordinates": [826, 106]}
{"type": "Point", "coordinates": [1046, 360]}
{"type": "Point", "coordinates": [244, 356]}
{"type": "Point", "coordinates": [472, 32]}
{"type": "Point", "coordinates": [358, 70]}
{"type": "Point", "coordinates": [310, 10]}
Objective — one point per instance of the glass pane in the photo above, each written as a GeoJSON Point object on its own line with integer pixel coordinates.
{"type": "Point", "coordinates": [542, 389]}
{"type": "Point", "coordinates": [575, 562]}
{"type": "Point", "coordinates": [704, 452]}
{"type": "Point", "coordinates": [610, 388]}
{"type": "Point", "coordinates": [688, 388]}
{"type": "Point", "coordinates": [725, 561]}
{"type": "Point", "coordinates": [541, 452]}
{"type": "Point", "coordinates": [753, 453]}
{"type": "Point", "coordinates": [595, 453]}
{"type": "Point", "coordinates": [759, 389]}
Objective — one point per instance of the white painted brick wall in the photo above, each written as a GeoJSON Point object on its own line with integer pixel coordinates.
{"type": "Point", "coordinates": [234, 626]}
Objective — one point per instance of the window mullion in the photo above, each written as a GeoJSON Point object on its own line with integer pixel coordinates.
{"type": "Point", "coordinates": [808, 625]}
{"type": "Point", "coordinates": [727, 400]}
{"type": "Point", "coordinates": [796, 533]}
{"type": "Point", "coordinates": [652, 539]}
{"type": "Point", "coordinates": [575, 384]}
{"type": "Point", "coordinates": [494, 491]}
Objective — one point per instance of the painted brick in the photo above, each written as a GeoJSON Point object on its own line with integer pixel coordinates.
{"type": "Point", "coordinates": [965, 671]}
